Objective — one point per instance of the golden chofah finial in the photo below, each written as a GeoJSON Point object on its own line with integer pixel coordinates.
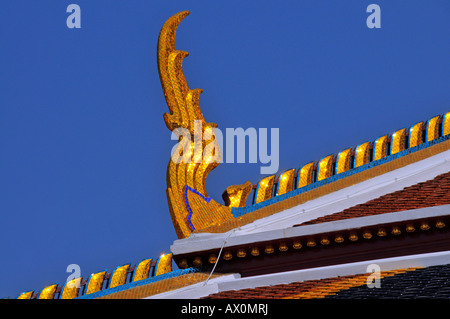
{"type": "Point", "coordinates": [190, 206]}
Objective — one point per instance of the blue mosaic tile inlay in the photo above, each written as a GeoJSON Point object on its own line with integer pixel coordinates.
{"type": "Point", "coordinates": [186, 189]}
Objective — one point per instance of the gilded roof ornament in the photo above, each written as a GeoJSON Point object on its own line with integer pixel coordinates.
{"type": "Point", "coordinates": [190, 206]}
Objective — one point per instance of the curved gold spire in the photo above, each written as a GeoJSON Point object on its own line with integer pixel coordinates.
{"type": "Point", "coordinates": [190, 206]}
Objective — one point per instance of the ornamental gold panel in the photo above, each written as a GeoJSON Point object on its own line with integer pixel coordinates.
{"type": "Point", "coordinates": [119, 276]}
{"type": "Point", "coordinates": [70, 289]}
{"type": "Point", "coordinates": [264, 189]}
{"type": "Point", "coordinates": [325, 168]}
{"type": "Point", "coordinates": [286, 182]}
{"type": "Point", "coordinates": [305, 175]}
{"type": "Point", "coordinates": [415, 134]}
{"type": "Point", "coordinates": [398, 141]}
{"type": "Point", "coordinates": [380, 148]}
{"type": "Point", "coordinates": [26, 295]}
{"type": "Point", "coordinates": [164, 264]}
{"type": "Point", "coordinates": [95, 282]}
{"type": "Point", "coordinates": [433, 128]}
{"type": "Point", "coordinates": [446, 124]}
{"type": "Point", "coordinates": [343, 161]}
{"type": "Point", "coordinates": [48, 292]}
{"type": "Point", "coordinates": [362, 154]}
{"type": "Point", "coordinates": [142, 270]}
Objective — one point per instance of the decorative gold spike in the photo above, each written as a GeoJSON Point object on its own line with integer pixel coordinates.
{"type": "Point", "coordinates": [95, 282]}
{"type": "Point", "coordinates": [325, 168]}
{"type": "Point", "coordinates": [362, 153]}
{"type": "Point", "coordinates": [142, 269]}
{"type": "Point", "coordinates": [264, 190]}
{"type": "Point", "coordinates": [343, 161]}
{"type": "Point", "coordinates": [286, 182]}
{"type": "Point", "coordinates": [48, 292]}
{"type": "Point", "coordinates": [380, 148]}
{"type": "Point", "coordinates": [381, 232]}
{"type": "Point", "coordinates": [119, 276]}
{"type": "Point", "coordinates": [433, 128]}
{"type": "Point", "coordinates": [71, 288]}
{"type": "Point", "coordinates": [398, 141]}
{"type": "Point", "coordinates": [410, 228]}
{"type": "Point", "coordinates": [415, 134]}
{"type": "Point", "coordinates": [164, 264]}
{"type": "Point", "coordinates": [26, 295]}
{"type": "Point", "coordinates": [305, 175]}
{"type": "Point", "coordinates": [446, 124]}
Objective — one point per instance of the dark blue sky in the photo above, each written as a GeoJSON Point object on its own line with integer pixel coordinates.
{"type": "Point", "coordinates": [84, 147]}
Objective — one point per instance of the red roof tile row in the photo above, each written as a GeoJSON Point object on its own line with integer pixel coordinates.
{"type": "Point", "coordinates": [304, 290]}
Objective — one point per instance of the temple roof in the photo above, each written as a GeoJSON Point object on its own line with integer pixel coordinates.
{"type": "Point", "coordinates": [406, 283]}
{"type": "Point", "coordinates": [413, 276]}
{"type": "Point", "coordinates": [418, 185]}
{"type": "Point", "coordinates": [309, 232]}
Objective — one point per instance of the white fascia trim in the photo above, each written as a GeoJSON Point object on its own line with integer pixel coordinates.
{"type": "Point", "coordinates": [235, 282]}
{"type": "Point", "coordinates": [208, 243]}
{"type": "Point", "coordinates": [335, 202]}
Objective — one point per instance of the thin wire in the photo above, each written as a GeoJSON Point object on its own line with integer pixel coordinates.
{"type": "Point", "coordinates": [218, 256]}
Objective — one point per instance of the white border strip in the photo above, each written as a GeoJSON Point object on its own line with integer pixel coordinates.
{"type": "Point", "coordinates": [234, 282]}
{"type": "Point", "coordinates": [209, 242]}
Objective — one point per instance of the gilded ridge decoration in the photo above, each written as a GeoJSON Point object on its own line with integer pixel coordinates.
{"type": "Point", "coordinates": [103, 283]}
